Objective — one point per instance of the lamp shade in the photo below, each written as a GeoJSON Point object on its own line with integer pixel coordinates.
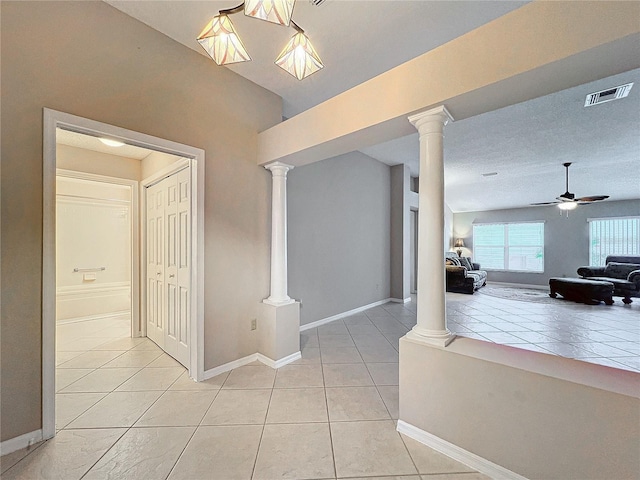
{"type": "Point", "coordinates": [221, 42]}
{"type": "Point", "coordinates": [299, 58]}
{"type": "Point", "coordinates": [459, 243]}
{"type": "Point", "coordinates": [274, 11]}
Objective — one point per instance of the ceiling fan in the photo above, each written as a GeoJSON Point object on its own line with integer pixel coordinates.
{"type": "Point", "coordinates": [568, 201]}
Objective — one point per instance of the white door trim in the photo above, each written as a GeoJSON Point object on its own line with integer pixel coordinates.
{"type": "Point", "coordinates": [53, 119]}
{"type": "Point", "coordinates": [135, 236]}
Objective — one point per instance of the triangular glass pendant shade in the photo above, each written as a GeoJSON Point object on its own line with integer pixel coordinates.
{"type": "Point", "coordinates": [274, 11]}
{"type": "Point", "coordinates": [221, 42]}
{"type": "Point", "coordinates": [299, 58]}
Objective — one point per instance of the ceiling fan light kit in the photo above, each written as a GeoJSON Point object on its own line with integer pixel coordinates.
{"type": "Point", "coordinates": [221, 42]}
{"type": "Point", "coordinates": [568, 201]}
{"type": "Point", "coordinates": [567, 206]}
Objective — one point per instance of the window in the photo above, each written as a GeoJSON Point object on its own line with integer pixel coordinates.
{"type": "Point", "coordinates": [509, 246]}
{"type": "Point", "coordinates": [613, 236]}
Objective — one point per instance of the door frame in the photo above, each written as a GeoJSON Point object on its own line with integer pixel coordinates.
{"type": "Point", "coordinates": [52, 120]}
{"type": "Point", "coordinates": [135, 235]}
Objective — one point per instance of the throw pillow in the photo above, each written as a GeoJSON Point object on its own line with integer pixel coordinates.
{"type": "Point", "coordinates": [464, 261]}
{"type": "Point", "coordinates": [452, 261]}
{"type": "Point", "coordinates": [619, 270]}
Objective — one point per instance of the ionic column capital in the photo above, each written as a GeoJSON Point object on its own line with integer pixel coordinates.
{"type": "Point", "coordinates": [432, 120]}
{"type": "Point", "coordinates": [279, 169]}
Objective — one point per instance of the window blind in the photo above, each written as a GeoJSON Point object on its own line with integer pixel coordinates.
{"type": "Point", "coordinates": [509, 246]}
{"type": "Point", "coordinates": [613, 236]}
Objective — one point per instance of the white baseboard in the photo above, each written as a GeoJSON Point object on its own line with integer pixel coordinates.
{"type": "Point", "coordinates": [471, 460]}
{"type": "Point", "coordinates": [519, 285]}
{"type": "Point", "coordinates": [324, 321]}
{"type": "Point", "coordinates": [214, 372]}
{"type": "Point", "coordinates": [20, 442]}
{"type": "Point", "coordinates": [279, 363]}
{"type": "Point", "coordinates": [400, 300]}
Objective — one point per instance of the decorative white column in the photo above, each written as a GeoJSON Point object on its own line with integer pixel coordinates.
{"type": "Point", "coordinates": [278, 315]}
{"type": "Point", "coordinates": [431, 326]}
{"type": "Point", "coordinates": [279, 286]}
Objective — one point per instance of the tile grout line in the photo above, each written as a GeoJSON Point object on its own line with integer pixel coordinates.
{"type": "Point", "coordinates": [105, 452]}
{"type": "Point", "coordinates": [326, 404]}
{"type": "Point", "coordinates": [264, 425]}
{"type": "Point", "coordinates": [197, 426]}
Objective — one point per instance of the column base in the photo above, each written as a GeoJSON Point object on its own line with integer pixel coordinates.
{"type": "Point", "coordinates": [279, 330]}
{"type": "Point", "coordinates": [278, 303]}
{"type": "Point", "coordinates": [439, 338]}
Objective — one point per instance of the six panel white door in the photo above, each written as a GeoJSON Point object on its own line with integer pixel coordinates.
{"type": "Point", "coordinates": [169, 256]}
{"type": "Point", "coordinates": [155, 263]}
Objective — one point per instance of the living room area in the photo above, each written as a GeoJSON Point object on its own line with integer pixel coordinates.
{"type": "Point", "coordinates": [509, 219]}
{"type": "Point", "coordinates": [516, 309]}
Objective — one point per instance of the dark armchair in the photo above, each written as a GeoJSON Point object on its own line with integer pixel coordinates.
{"type": "Point", "coordinates": [622, 271]}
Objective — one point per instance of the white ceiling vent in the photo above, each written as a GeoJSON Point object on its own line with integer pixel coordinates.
{"type": "Point", "coordinates": [317, 3]}
{"type": "Point", "coordinates": [604, 96]}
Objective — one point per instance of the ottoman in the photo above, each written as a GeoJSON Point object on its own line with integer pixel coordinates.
{"type": "Point", "coordinates": [582, 290]}
{"type": "Point", "coordinates": [621, 288]}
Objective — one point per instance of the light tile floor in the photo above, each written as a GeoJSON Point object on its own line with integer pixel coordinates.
{"type": "Point", "coordinates": [127, 410]}
{"type": "Point", "coordinates": [603, 334]}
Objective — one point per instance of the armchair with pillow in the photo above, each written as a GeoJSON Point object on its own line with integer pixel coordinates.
{"type": "Point", "coordinates": [622, 271]}
{"type": "Point", "coordinates": [463, 276]}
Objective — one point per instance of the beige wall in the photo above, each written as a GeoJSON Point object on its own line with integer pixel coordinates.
{"type": "Point", "coordinates": [541, 416]}
{"type": "Point", "coordinates": [91, 60]}
{"type": "Point", "coordinates": [98, 163]}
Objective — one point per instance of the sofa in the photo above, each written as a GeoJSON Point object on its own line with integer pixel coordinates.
{"type": "Point", "coordinates": [463, 276]}
{"type": "Point", "coordinates": [622, 271]}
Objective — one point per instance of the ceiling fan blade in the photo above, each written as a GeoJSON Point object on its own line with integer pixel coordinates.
{"type": "Point", "coordinates": [594, 198]}
{"type": "Point", "coordinates": [545, 203]}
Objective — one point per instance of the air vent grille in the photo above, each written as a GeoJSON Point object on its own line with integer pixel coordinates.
{"type": "Point", "coordinates": [317, 3]}
{"type": "Point", "coordinates": [608, 95]}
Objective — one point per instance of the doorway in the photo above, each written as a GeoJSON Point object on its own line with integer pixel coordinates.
{"type": "Point", "coordinates": [194, 298]}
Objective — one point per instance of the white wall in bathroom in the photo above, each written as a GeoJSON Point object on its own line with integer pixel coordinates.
{"type": "Point", "coordinates": [93, 230]}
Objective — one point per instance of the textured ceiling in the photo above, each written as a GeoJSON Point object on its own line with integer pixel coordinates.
{"type": "Point", "coordinates": [527, 143]}
{"type": "Point", "coordinates": [356, 40]}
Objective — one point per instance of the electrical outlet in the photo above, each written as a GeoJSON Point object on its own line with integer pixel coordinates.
{"type": "Point", "coordinates": [254, 324]}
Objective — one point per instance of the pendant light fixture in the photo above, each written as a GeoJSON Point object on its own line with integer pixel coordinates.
{"type": "Point", "coordinates": [221, 42]}
{"type": "Point", "coordinates": [223, 45]}
{"type": "Point", "coordinates": [274, 11]}
{"type": "Point", "coordinates": [299, 58]}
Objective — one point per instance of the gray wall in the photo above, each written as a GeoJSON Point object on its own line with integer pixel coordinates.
{"type": "Point", "coordinates": [400, 232]}
{"type": "Point", "coordinates": [339, 235]}
{"type": "Point", "coordinates": [566, 239]}
{"type": "Point", "coordinates": [96, 62]}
